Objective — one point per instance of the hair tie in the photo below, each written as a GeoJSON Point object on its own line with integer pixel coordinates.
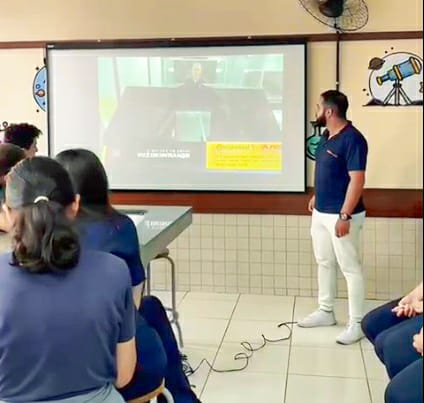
{"type": "Point", "coordinates": [41, 198]}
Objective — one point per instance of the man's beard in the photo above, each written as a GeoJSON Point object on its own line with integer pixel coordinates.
{"type": "Point", "coordinates": [321, 121]}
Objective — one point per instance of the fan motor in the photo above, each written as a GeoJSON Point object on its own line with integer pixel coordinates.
{"type": "Point", "coordinates": [331, 8]}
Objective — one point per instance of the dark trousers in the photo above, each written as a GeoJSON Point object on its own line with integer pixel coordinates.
{"type": "Point", "coordinates": [407, 385]}
{"type": "Point", "coordinates": [176, 381]}
{"type": "Point", "coordinates": [392, 337]}
{"type": "Point", "coordinates": [379, 320]}
{"type": "Point", "coordinates": [158, 356]}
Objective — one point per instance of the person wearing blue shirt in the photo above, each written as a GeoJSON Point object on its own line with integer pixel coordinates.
{"type": "Point", "coordinates": [338, 214]}
{"type": "Point", "coordinates": [103, 228]}
{"type": "Point", "coordinates": [62, 337]}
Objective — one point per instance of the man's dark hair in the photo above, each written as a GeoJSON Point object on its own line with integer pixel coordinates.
{"type": "Point", "coordinates": [337, 101]}
{"type": "Point", "coordinates": [21, 134]}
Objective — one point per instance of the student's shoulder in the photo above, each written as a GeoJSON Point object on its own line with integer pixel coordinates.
{"type": "Point", "coordinates": [121, 221]}
{"type": "Point", "coordinates": [105, 264]}
{"type": "Point", "coordinates": [125, 226]}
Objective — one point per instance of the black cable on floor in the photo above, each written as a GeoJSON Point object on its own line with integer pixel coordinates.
{"type": "Point", "coordinates": [243, 355]}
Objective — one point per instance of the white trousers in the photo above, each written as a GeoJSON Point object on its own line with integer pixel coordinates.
{"type": "Point", "coordinates": [331, 252]}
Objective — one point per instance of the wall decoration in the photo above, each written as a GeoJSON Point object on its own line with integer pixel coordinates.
{"type": "Point", "coordinates": [3, 126]}
{"type": "Point", "coordinates": [39, 88]}
{"type": "Point", "coordinates": [396, 79]}
{"type": "Point", "coordinates": [313, 140]}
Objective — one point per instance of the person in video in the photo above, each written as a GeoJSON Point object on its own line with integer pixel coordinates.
{"type": "Point", "coordinates": [196, 79]}
{"type": "Point", "coordinates": [195, 105]}
{"type": "Point", "coordinates": [195, 94]}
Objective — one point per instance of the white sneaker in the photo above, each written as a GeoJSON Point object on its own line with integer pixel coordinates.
{"type": "Point", "coordinates": [352, 334]}
{"type": "Point", "coordinates": [317, 319]}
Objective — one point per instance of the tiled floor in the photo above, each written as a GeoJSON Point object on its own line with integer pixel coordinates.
{"type": "Point", "coordinates": [309, 368]}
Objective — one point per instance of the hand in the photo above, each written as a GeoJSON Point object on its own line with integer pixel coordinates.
{"type": "Point", "coordinates": [418, 342]}
{"type": "Point", "coordinates": [404, 310]}
{"type": "Point", "coordinates": [311, 204]}
{"type": "Point", "coordinates": [409, 307]}
{"type": "Point", "coordinates": [342, 228]}
{"type": "Point", "coordinates": [407, 300]}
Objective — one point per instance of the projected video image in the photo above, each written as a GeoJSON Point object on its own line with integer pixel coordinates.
{"type": "Point", "coordinates": [226, 118]}
{"type": "Point", "coordinates": [219, 113]}
{"type": "Point", "coordinates": [194, 99]}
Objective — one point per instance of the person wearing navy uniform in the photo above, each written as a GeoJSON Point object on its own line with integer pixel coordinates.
{"type": "Point", "coordinates": [338, 214]}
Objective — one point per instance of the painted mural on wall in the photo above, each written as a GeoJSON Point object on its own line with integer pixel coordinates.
{"type": "Point", "coordinates": [39, 88]}
{"type": "Point", "coordinates": [3, 126]}
{"type": "Point", "coordinates": [39, 92]}
{"type": "Point", "coordinates": [313, 140]}
{"type": "Point", "coordinates": [396, 79]}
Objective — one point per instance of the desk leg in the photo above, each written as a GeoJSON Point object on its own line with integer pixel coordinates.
{"type": "Point", "coordinates": [148, 280]}
{"type": "Point", "coordinates": [175, 315]}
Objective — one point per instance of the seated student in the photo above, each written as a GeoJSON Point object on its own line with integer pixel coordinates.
{"type": "Point", "coordinates": [10, 155]}
{"type": "Point", "coordinates": [62, 337]}
{"type": "Point", "coordinates": [103, 228]}
{"type": "Point", "coordinates": [407, 385]}
{"type": "Point", "coordinates": [391, 325]}
{"type": "Point", "coordinates": [23, 135]}
{"type": "Point", "coordinates": [395, 329]}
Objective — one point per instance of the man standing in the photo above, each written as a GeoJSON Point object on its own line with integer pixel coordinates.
{"type": "Point", "coordinates": [338, 214]}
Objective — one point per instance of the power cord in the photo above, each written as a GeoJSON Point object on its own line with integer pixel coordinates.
{"type": "Point", "coordinates": [243, 355]}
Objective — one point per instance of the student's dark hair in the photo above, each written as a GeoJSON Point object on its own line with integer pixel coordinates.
{"type": "Point", "coordinates": [10, 155]}
{"type": "Point", "coordinates": [337, 101]}
{"type": "Point", "coordinates": [21, 134]}
{"type": "Point", "coordinates": [90, 181]}
{"type": "Point", "coordinates": [44, 241]}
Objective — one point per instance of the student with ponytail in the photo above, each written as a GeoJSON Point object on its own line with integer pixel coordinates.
{"type": "Point", "coordinates": [62, 337]}
{"type": "Point", "coordinates": [103, 228]}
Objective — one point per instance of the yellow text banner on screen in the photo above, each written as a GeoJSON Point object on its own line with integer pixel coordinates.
{"type": "Point", "coordinates": [244, 156]}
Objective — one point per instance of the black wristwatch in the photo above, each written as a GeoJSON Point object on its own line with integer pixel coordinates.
{"type": "Point", "coordinates": [345, 217]}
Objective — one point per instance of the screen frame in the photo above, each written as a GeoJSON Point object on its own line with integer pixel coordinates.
{"type": "Point", "coordinates": [187, 43]}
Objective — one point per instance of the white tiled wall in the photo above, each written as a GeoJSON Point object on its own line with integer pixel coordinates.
{"type": "Point", "coordinates": [272, 254]}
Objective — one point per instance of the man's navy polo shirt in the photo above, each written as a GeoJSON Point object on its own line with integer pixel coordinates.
{"type": "Point", "coordinates": [335, 158]}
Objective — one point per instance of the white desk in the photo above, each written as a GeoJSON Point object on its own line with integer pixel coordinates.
{"type": "Point", "coordinates": [157, 227]}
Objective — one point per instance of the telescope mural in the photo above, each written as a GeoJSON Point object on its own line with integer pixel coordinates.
{"type": "Point", "coordinates": [396, 80]}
